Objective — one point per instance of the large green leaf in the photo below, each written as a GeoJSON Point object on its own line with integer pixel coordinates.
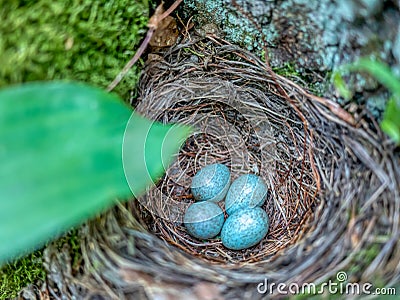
{"type": "Point", "coordinates": [61, 159]}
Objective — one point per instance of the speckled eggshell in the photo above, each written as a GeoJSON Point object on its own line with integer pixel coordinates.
{"type": "Point", "coordinates": [245, 228]}
{"type": "Point", "coordinates": [211, 183]}
{"type": "Point", "coordinates": [204, 220]}
{"type": "Point", "coordinates": [247, 191]}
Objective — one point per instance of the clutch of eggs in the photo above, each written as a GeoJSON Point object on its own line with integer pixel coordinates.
{"type": "Point", "coordinates": [246, 225]}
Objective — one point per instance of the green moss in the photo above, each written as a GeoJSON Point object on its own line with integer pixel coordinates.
{"type": "Point", "coordinates": [83, 40]}
{"type": "Point", "coordinates": [290, 71]}
{"type": "Point", "coordinates": [363, 258]}
{"type": "Point", "coordinates": [72, 241]}
{"type": "Point", "coordinates": [30, 270]}
{"type": "Point", "coordinates": [16, 275]}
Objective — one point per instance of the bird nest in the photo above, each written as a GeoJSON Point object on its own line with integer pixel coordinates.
{"type": "Point", "coordinates": [333, 181]}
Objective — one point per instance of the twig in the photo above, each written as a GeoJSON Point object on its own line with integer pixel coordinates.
{"type": "Point", "coordinates": [153, 23]}
{"type": "Point", "coordinates": [130, 63]}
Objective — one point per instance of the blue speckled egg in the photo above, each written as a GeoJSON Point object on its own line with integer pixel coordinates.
{"type": "Point", "coordinates": [247, 191]}
{"type": "Point", "coordinates": [245, 228]}
{"type": "Point", "coordinates": [203, 220]}
{"type": "Point", "coordinates": [211, 183]}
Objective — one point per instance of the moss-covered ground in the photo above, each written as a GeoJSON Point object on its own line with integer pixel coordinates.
{"type": "Point", "coordinates": [16, 275]}
{"type": "Point", "coordinates": [83, 40]}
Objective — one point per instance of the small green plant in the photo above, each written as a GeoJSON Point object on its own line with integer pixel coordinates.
{"type": "Point", "coordinates": [61, 159]}
{"type": "Point", "coordinates": [382, 73]}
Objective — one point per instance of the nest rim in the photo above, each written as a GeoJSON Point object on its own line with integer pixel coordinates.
{"type": "Point", "coordinates": [341, 218]}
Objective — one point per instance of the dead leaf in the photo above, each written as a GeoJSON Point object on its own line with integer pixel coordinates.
{"type": "Point", "coordinates": [166, 33]}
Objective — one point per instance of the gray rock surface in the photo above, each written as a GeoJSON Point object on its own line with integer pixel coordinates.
{"type": "Point", "coordinates": [312, 36]}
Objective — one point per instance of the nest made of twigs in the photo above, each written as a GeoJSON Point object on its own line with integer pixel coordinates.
{"type": "Point", "coordinates": [333, 186]}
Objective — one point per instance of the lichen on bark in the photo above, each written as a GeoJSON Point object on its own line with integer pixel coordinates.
{"type": "Point", "coordinates": [313, 36]}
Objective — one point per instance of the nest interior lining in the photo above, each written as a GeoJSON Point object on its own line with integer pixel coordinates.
{"type": "Point", "coordinates": [233, 125]}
